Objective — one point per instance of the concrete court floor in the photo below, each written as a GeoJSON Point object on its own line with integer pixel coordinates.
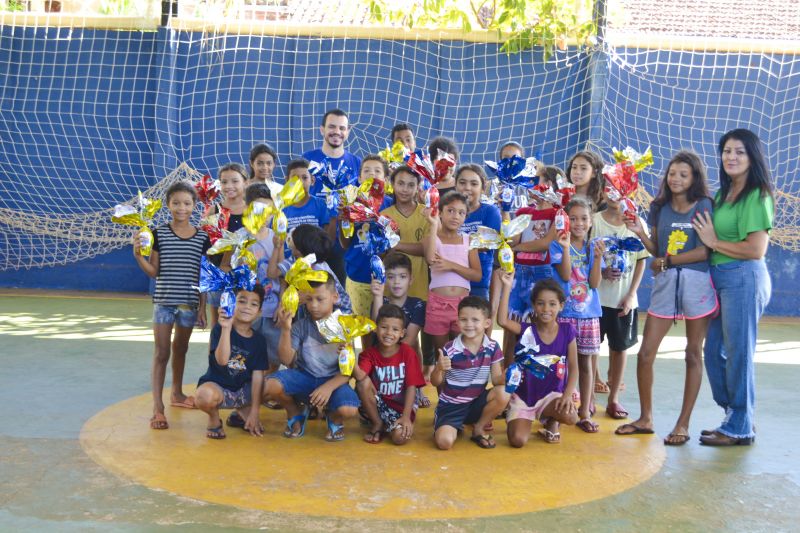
{"type": "Point", "coordinates": [65, 358]}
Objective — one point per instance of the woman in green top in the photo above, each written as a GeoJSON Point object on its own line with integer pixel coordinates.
{"type": "Point", "coordinates": [738, 235]}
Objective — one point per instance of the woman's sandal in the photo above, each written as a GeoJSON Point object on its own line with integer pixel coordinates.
{"type": "Point", "coordinates": [301, 419]}
{"type": "Point", "coordinates": [550, 437]}
{"type": "Point", "coordinates": [587, 425]}
{"type": "Point", "coordinates": [335, 431]}
{"type": "Point", "coordinates": [159, 421]}
{"type": "Point", "coordinates": [676, 439]}
{"type": "Point", "coordinates": [483, 441]}
{"type": "Point", "coordinates": [215, 433]}
{"type": "Point", "coordinates": [616, 411]}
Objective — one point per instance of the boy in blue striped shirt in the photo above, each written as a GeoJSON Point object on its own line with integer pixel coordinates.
{"type": "Point", "coordinates": [462, 372]}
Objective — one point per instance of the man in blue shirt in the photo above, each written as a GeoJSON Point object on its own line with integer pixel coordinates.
{"type": "Point", "coordinates": [335, 129]}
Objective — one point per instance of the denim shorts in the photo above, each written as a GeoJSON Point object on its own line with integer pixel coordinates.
{"type": "Point", "coordinates": [300, 385]}
{"type": "Point", "coordinates": [213, 297]}
{"type": "Point", "coordinates": [458, 414]}
{"type": "Point", "coordinates": [184, 315]}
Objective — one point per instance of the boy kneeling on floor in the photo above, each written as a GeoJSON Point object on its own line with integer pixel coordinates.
{"type": "Point", "coordinates": [314, 376]}
{"type": "Point", "coordinates": [388, 376]}
{"type": "Point", "coordinates": [237, 360]}
{"type": "Point", "coordinates": [463, 371]}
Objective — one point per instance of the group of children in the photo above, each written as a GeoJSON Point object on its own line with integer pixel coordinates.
{"type": "Point", "coordinates": [436, 309]}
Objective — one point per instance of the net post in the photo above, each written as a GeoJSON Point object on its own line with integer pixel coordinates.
{"type": "Point", "coordinates": [598, 72]}
{"type": "Point", "coordinates": [169, 8]}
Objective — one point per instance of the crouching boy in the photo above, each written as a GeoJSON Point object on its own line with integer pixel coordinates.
{"type": "Point", "coordinates": [388, 376]}
{"type": "Point", "coordinates": [462, 372]}
{"type": "Point", "coordinates": [237, 360]}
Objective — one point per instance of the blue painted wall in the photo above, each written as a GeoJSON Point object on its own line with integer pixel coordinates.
{"type": "Point", "coordinates": [88, 117]}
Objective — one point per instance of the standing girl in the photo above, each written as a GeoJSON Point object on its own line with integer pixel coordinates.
{"type": "Point", "coordinates": [262, 163]}
{"type": "Point", "coordinates": [585, 171]}
{"type": "Point", "coordinates": [548, 399]}
{"type": "Point", "coordinates": [738, 234]}
{"type": "Point", "coordinates": [682, 287]}
{"type": "Point", "coordinates": [577, 263]}
{"type": "Point", "coordinates": [175, 264]}
{"type": "Point", "coordinates": [453, 266]}
{"type": "Point", "coordinates": [232, 180]}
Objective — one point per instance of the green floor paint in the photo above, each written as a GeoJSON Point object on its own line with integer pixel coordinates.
{"type": "Point", "coordinates": [65, 359]}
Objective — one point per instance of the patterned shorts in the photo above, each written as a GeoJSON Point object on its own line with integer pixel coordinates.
{"type": "Point", "coordinates": [588, 329]}
{"type": "Point", "coordinates": [389, 415]}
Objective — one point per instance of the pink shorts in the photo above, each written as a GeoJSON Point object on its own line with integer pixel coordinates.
{"type": "Point", "coordinates": [588, 329]}
{"type": "Point", "coordinates": [517, 408]}
{"type": "Point", "coordinates": [441, 314]}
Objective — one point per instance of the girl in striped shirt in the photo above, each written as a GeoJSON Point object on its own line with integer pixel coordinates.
{"type": "Point", "coordinates": [175, 264]}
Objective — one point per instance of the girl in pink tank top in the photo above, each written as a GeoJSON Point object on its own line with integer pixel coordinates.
{"type": "Point", "coordinates": [453, 266]}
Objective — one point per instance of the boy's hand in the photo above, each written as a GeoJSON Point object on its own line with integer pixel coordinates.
{"type": "Point", "coordinates": [224, 321]}
{"type": "Point", "coordinates": [253, 424]}
{"type": "Point", "coordinates": [405, 426]}
{"type": "Point", "coordinates": [277, 242]}
{"type": "Point", "coordinates": [319, 397]}
{"type": "Point", "coordinates": [444, 362]}
{"type": "Point", "coordinates": [507, 279]}
{"type": "Point", "coordinates": [564, 404]}
{"type": "Point", "coordinates": [376, 288]}
{"type": "Point", "coordinates": [284, 318]}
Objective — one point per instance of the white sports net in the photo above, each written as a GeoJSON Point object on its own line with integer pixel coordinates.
{"type": "Point", "coordinates": [89, 117]}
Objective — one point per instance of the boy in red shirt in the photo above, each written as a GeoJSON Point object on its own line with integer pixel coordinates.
{"type": "Point", "coordinates": [388, 375]}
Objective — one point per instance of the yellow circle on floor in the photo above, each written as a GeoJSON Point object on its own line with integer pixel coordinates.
{"type": "Point", "coordinates": [309, 476]}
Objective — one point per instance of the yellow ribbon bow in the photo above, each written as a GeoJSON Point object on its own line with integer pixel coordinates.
{"type": "Point", "coordinates": [344, 329]}
{"type": "Point", "coordinates": [488, 238]}
{"type": "Point", "coordinates": [298, 278]}
{"type": "Point", "coordinates": [139, 217]}
{"type": "Point", "coordinates": [639, 161]}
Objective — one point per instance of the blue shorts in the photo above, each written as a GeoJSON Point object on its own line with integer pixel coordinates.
{"type": "Point", "coordinates": [525, 277]}
{"type": "Point", "coordinates": [458, 414]}
{"type": "Point", "coordinates": [234, 399]}
{"type": "Point", "coordinates": [300, 384]}
{"type": "Point", "coordinates": [184, 315]}
{"type": "Point", "coordinates": [265, 327]}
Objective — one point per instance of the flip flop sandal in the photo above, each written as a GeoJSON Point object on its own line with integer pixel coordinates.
{"type": "Point", "coordinates": [215, 433]}
{"type": "Point", "coordinates": [483, 441]}
{"type": "Point", "coordinates": [336, 431]}
{"type": "Point", "coordinates": [235, 420]}
{"type": "Point", "coordinates": [616, 411]}
{"type": "Point", "coordinates": [375, 437]}
{"type": "Point", "coordinates": [682, 439]}
{"type": "Point", "coordinates": [422, 400]}
{"type": "Point", "coordinates": [636, 430]}
{"type": "Point", "coordinates": [588, 426]}
{"type": "Point", "coordinates": [550, 437]}
{"type": "Point", "coordinates": [301, 419]}
{"type": "Point", "coordinates": [159, 421]}
{"type": "Point", "coordinates": [188, 403]}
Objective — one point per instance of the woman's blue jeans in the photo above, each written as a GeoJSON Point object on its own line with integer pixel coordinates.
{"type": "Point", "coordinates": [744, 289]}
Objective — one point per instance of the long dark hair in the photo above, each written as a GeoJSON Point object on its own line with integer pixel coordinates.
{"type": "Point", "coordinates": [758, 176]}
{"type": "Point", "coordinates": [595, 192]}
{"type": "Point", "coordinates": [699, 188]}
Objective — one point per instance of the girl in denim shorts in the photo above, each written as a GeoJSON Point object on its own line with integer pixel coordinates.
{"type": "Point", "coordinates": [174, 262]}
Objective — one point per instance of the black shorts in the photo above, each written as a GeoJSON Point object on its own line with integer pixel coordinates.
{"type": "Point", "coordinates": [458, 414]}
{"type": "Point", "coordinates": [622, 331]}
